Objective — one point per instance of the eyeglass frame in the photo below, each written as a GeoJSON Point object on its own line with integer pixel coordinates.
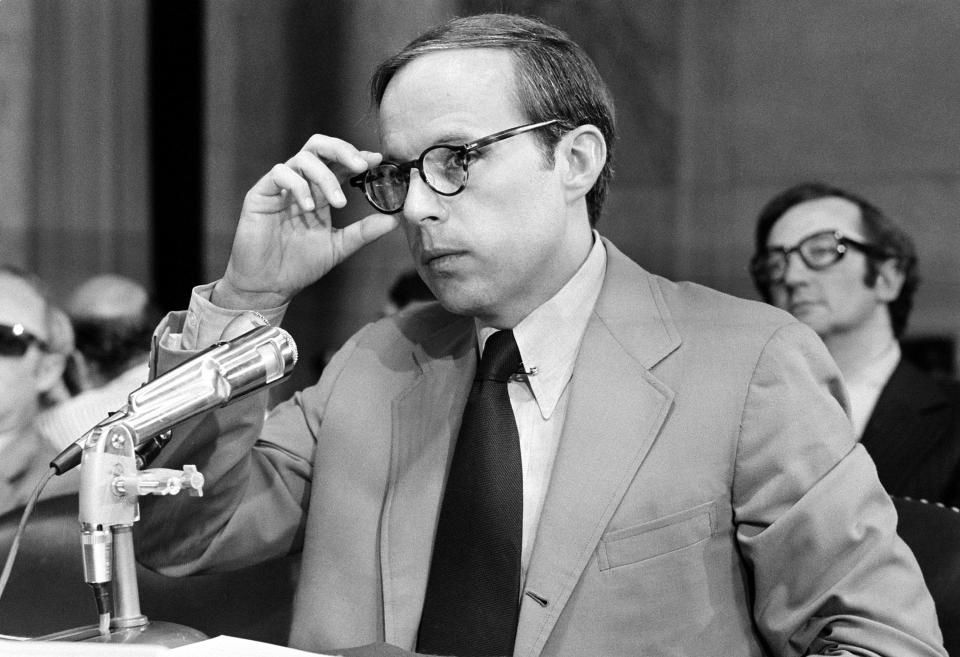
{"type": "Point", "coordinates": [843, 242]}
{"type": "Point", "coordinates": [20, 334]}
{"type": "Point", "coordinates": [360, 180]}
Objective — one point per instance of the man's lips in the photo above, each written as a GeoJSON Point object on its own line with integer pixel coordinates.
{"type": "Point", "coordinates": [434, 257]}
{"type": "Point", "coordinates": [802, 304]}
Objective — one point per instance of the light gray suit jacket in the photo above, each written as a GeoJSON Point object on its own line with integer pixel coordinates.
{"type": "Point", "coordinates": [708, 497]}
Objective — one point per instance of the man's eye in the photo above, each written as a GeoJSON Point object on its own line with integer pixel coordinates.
{"type": "Point", "coordinates": [821, 251]}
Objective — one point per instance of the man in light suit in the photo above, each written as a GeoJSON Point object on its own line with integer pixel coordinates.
{"type": "Point", "coordinates": [840, 265]}
{"type": "Point", "coordinates": [690, 485]}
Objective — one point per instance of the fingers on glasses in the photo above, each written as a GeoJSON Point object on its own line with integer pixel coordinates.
{"type": "Point", "coordinates": [313, 176]}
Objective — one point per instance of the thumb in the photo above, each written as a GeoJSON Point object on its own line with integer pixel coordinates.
{"type": "Point", "coordinates": [369, 229]}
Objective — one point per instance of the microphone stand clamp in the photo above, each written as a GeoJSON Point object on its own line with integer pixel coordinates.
{"type": "Point", "coordinates": [110, 485]}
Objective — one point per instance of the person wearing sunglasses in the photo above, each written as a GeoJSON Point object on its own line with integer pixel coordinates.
{"type": "Point", "coordinates": [840, 265]}
{"type": "Point", "coordinates": [35, 341]}
{"type": "Point", "coordinates": [640, 468]}
{"type": "Point", "coordinates": [113, 319]}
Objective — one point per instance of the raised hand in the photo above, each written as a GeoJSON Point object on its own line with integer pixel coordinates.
{"type": "Point", "coordinates": [285, 240]}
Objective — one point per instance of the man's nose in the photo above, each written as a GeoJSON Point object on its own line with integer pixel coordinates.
{"type": "Point", "coordinates": [422, 203]}
{"type": "Point", "coordinates": [795, 270]}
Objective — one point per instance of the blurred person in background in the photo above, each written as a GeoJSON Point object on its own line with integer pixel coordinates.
{"type": "Point", "coordinates": [840, 265]}
{"type": "Point", "coordinates": [113, 318]}
{"type": "Point", "coordinates": [36, 341]}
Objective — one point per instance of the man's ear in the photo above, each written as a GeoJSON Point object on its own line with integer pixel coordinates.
{"type": "Point", "coordinates": [890, 279]}
{"type": "Point", "coordinates": [583, 152]}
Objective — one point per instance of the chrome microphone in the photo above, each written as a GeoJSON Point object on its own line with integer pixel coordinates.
{"type": "Point", "coordinates": [215, 377]}
{"type": "Point", "coordinates": [111, 479]}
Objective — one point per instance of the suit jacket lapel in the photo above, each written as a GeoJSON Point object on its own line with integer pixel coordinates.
{"type": "Point", "coordinates": [615, 412]}
{"type": "Point", "coordinates": [421, 441]}
{"type": "Point", "coordinates": [904, 423]}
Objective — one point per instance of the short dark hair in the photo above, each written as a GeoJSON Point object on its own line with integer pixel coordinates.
{"type": "Point", "coordinates": [556, 79]}
{"type": "Point", "coordinates": [880, 230]}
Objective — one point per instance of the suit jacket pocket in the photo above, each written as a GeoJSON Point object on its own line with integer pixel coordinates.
{"type": "Point", "coordinates": [656, 537]}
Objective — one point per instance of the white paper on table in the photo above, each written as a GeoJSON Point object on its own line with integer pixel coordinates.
{"type": "Point", "coordinates": [230, 646]}
{"type": "Point", "coordinates": [78, 649]}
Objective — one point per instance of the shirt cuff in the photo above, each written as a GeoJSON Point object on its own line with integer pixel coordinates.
{"type": "Point", "coordinates": [204, 322]}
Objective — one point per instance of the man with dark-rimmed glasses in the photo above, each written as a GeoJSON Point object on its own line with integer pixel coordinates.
{"type": "Point", "coordinates": [840, 265]}
{"type": "Point", "coordinates": [566, 455]}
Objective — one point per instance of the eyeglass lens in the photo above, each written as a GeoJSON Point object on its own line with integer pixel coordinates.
{"type": "Point", "coordinates": [14, 341]}
{"type": "Point", "coordinates": [386, 187]}
{"type": "Point", "coordinates": [818, 251]}
{"type": "Point", "coordinates": [444, 168]}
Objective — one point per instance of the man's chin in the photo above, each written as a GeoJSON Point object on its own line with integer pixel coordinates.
{"type": "Point", "coordinates": [805, 309]}
{"type": "Point", "coordinates": [455, 299]}
{"type": "Point", "coordinates": [460, 300]}
{"type": "Point", "coordinates": [810, 314]}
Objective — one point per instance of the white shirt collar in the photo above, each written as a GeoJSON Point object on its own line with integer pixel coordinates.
{"type": "Point", "coordinates": [549, 337]}
{"type": "Point", "coordinates": [865, 386]}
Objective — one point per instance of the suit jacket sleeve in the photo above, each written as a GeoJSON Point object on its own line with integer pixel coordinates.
{"type": "Point", "coordinates": [257, 468]}
{"type": "Point", "coordinates": [816, 528]}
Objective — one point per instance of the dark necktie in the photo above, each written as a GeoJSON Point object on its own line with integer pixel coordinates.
{"type": "Point", "coordinates": [473, 593]}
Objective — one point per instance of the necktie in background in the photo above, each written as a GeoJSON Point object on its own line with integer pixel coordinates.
{"type": "Point", "coordinates": [473, 592]}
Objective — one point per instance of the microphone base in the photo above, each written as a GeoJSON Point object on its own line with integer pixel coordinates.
{"type": "Point", "coordinates": [156, 633]}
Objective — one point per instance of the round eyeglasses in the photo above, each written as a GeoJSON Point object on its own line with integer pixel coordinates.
{"type": "Point", "coordinates": [443, 167]}
{"type": "Point", "coordinates": [15, 340]}
{"type": "Point", "coordinates": [818, 251]}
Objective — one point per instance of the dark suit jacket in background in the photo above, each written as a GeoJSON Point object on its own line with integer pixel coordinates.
{"type": "Point", "coordinates": [913, 436]}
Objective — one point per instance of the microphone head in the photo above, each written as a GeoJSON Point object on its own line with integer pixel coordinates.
{"type": "Point", "coordinates": [221, 374]}
{"type": "Point", "coordinates": [243, 324]}
{"type": "Point", "coordinates": [256, 359]}
{"type": "Point", "coordinates": [291, 344]}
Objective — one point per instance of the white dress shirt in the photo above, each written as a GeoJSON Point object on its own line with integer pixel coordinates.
{"type": "Point", "coordinates": [549, 340]}
{"type": "Point", "coordinates": [864, 386]}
